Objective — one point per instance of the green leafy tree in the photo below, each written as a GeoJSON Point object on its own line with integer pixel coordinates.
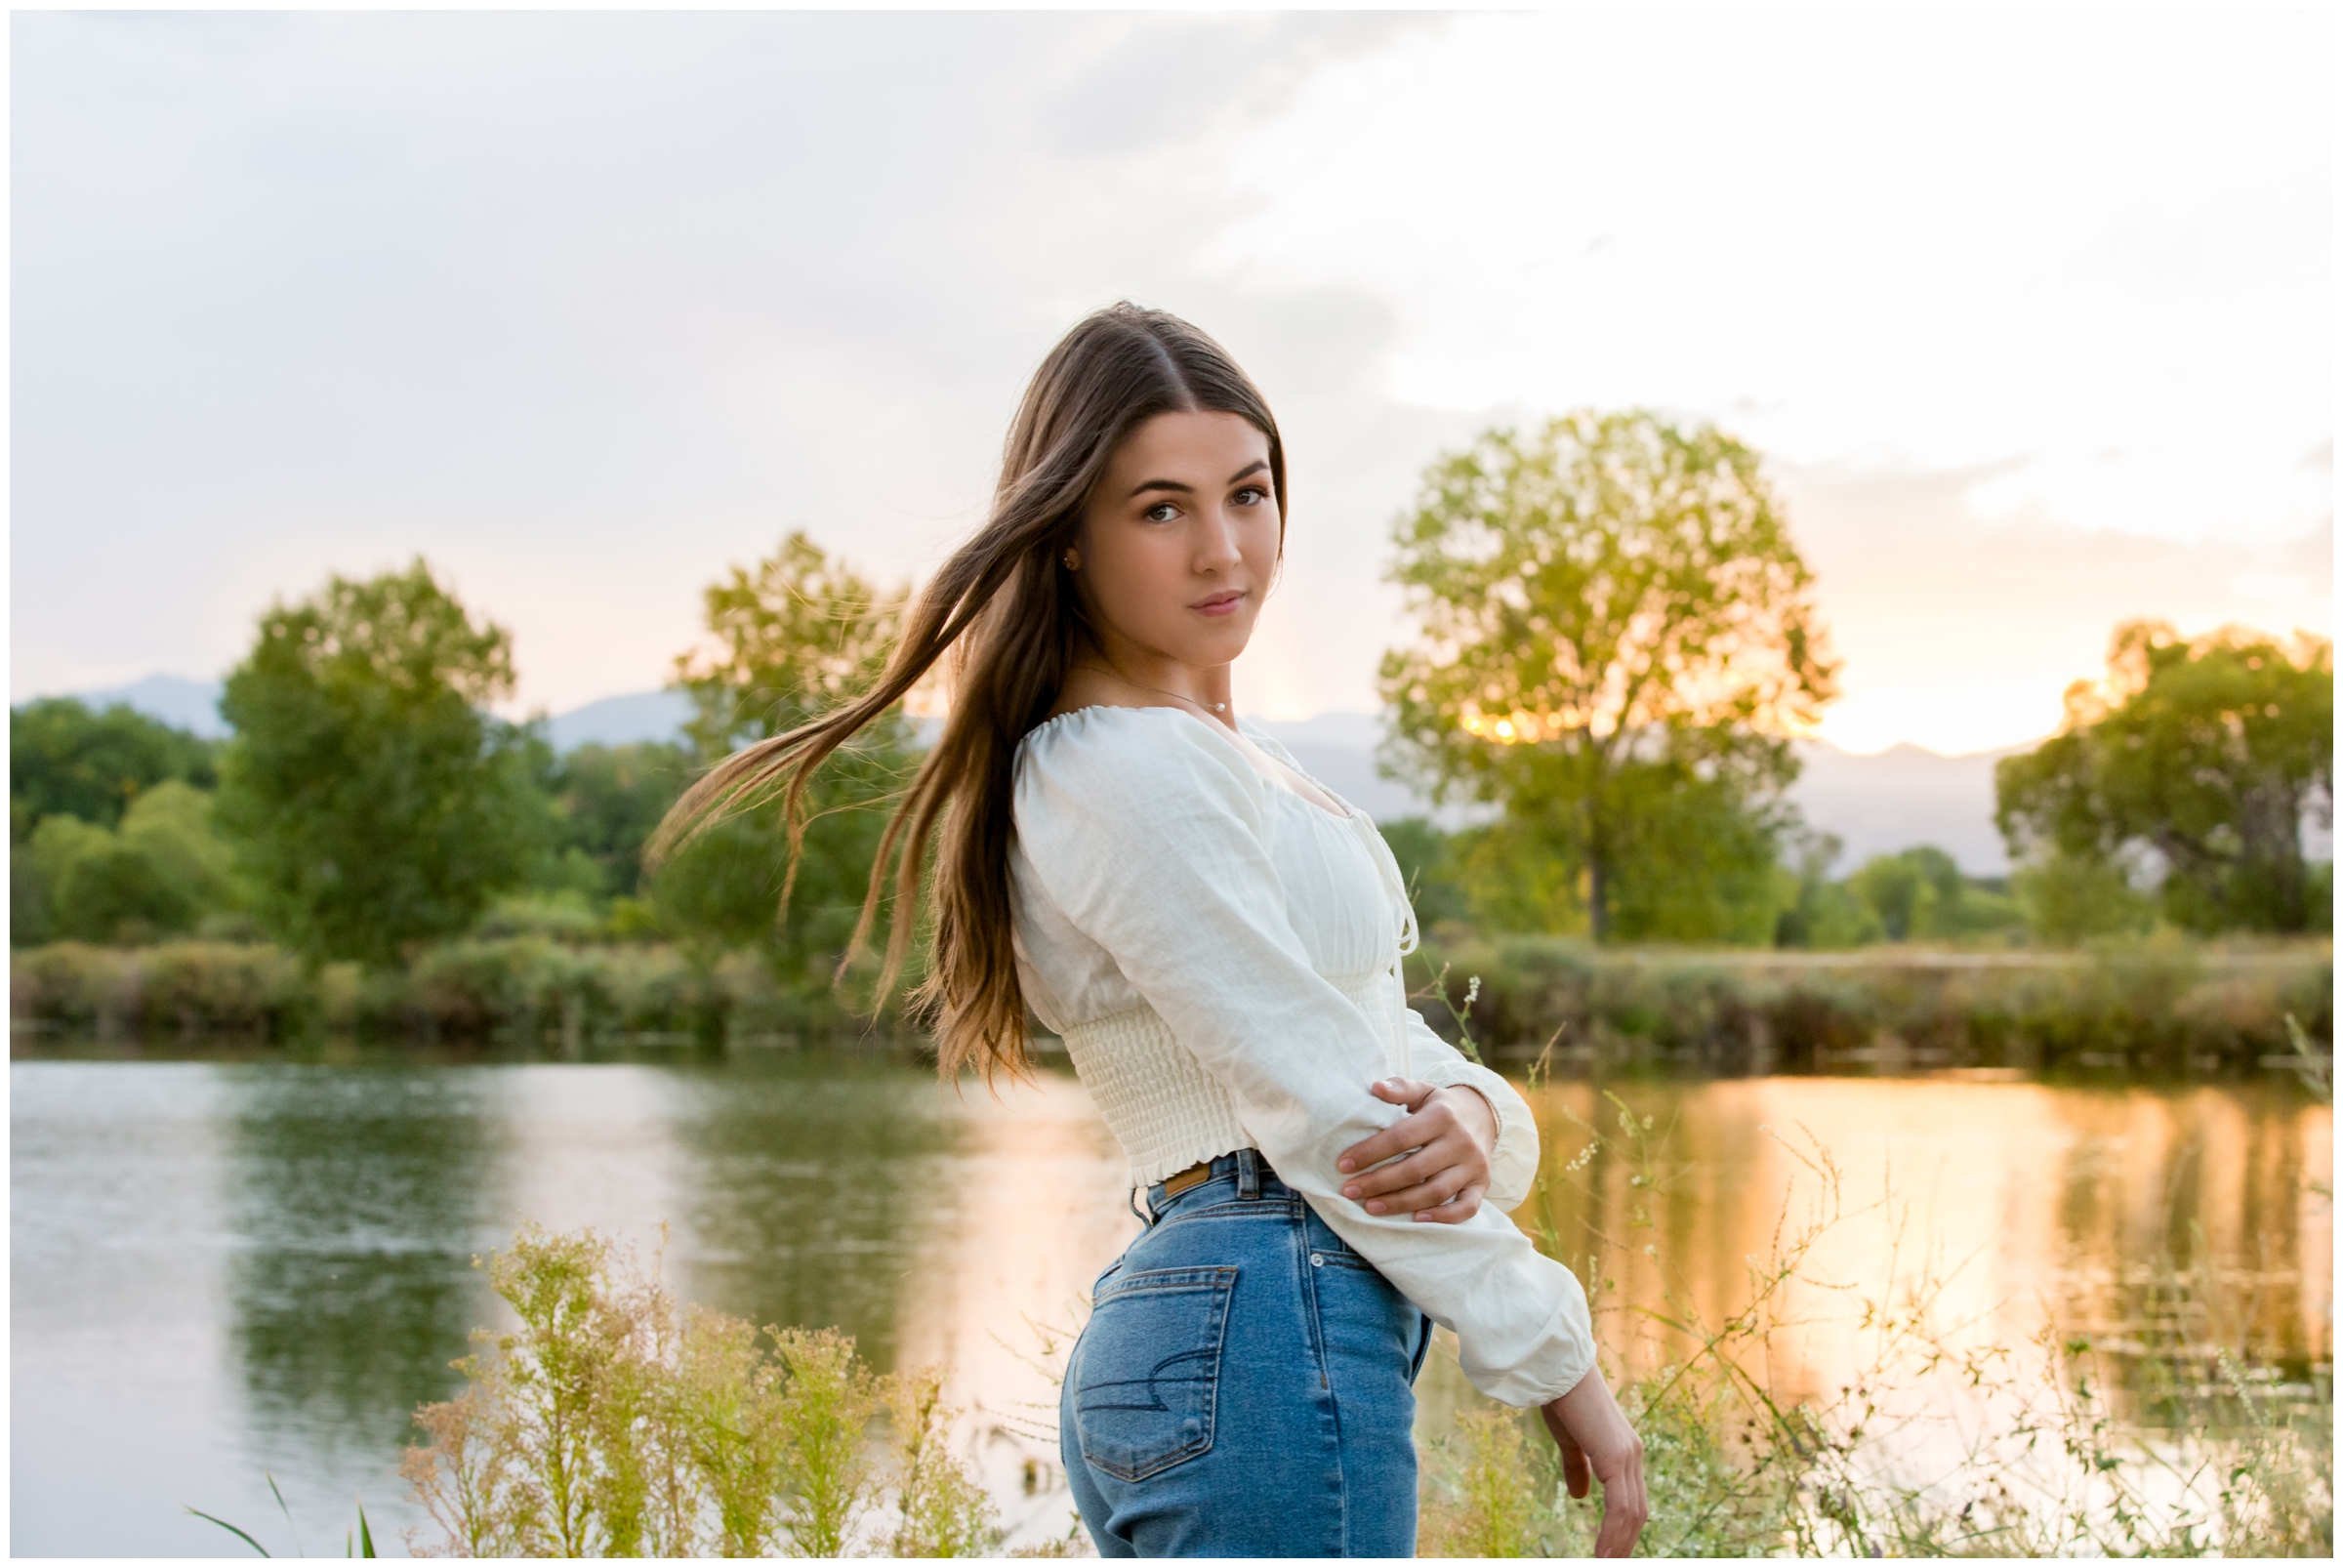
{"type": "Point", "coordinates": [160, 873]}
{"type": "Point", "coordinates": [1618, 641]}
{"type": "Point", "coordinates": [611, 798]}
{"type": "Point", "coordinates": [66, 761]}
{"type": "Point", "coordinates": [2211, 753]}
{"type": "Point", "coordinates": [375, 803]}
{"type": "Point", "coordinates": [1819, 913]}
{"type": "Point", "coordinates": [1426, 860]}
{"type": "Point", "coordinates": [1920, 892]}
{"type": "Point", "coordinates": [2068, 898]}
{"type": "Point", "coordinates": [788, 640]}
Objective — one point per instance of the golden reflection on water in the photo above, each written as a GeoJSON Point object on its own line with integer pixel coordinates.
{"type": "Point", "coordinates": [2012, 1206]}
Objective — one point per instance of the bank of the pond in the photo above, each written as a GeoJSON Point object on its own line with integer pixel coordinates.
{"type": "Point", "coordinates": [2177, 1010]}
{"type": "Point", "coordinates": [2155, 1009]}
{"type": "Point", "coordinates": [525, 988]}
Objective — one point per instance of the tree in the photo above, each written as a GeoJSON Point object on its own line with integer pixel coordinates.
{"type": "Point", "coordinates": [374, 803]}
{"type": "Point", "coordinates": [66, 761]}
{"type": "Point", "coordinates": [1819, 913]}
{"type": "Point", "coordinates": [1618, 642]}
{"type": "Point", "coordinates": [787, 640]}
{"type": "Point", "coordinates": [1920, 892]}
{"type": "Point", "coordinates": [2207, 753]}
{"type": "Point", "coordinates": [611, 798]}
{"type": "Point", "coordinates": [161, 872]}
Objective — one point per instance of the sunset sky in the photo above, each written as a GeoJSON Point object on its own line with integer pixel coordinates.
{"type": "Point", "coordinates": [2032, 312]}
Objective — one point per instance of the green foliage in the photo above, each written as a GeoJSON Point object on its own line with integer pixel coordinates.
{"type": "Point", "coordinates": [2156, 1009]}
{"type": "Point", "coordinates": [1426, 864]}
{"type": "Point", "coordinates": [942, 1508]}
{"type": "Point", "coordinates": [2071, 898]}
{"type": "Point", "coordinates": [66, 761]}
{"type": "Point", "coordinates": [1816, 912]}
{"type": "Point", "coordinates": [1482, 1495]}
{"type": "Point", "coordinates": [373, 804]}
{"type": "Point", "coordinates": [788, 640]}
{"type": "Point", "coordinates": [1920, 894]}
{"type": "Point", "coordinates": [162, 871]}
{"type": "Point", "coordinates": [613, 1421]}
{"type": "Point", "coordinates": [610, 799]}
{"type": "Point", "coordinates": [1617, 640]}
{"type": "Point", "coordinates": [528, 986]}
{"type": "Point", "coordinates": [2209, 752]}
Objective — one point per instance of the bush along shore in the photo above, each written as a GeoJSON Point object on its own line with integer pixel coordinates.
{"type": "Point", "coordinates": [528, 990]}
{"type": "Point", "coordinates": [2182, 1009]}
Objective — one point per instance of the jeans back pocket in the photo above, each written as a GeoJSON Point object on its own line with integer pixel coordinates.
{"type": "Point", "coordinates": [1149, 1369]}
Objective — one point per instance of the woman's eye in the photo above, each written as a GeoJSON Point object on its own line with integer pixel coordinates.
{"type": "Point", "coordinates": [1162, 512]}
{"type": "Point", "coordinates": [1252, 495]}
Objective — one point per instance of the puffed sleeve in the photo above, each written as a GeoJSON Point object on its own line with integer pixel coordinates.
{"type": "Point", "coordinates": [1148, 833]}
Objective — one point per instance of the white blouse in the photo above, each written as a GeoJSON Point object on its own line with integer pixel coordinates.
{"type": "Point", "coordinates": [1222, 958]}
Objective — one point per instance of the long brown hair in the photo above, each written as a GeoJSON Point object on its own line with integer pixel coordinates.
{"type": "Point", "coordinates": [1005, 611]}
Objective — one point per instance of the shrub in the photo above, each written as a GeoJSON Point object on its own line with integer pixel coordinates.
{"type": "Point", "coordinates": [614, 1422]}
{"type": "Point", "coordinates": [2166, 1006]}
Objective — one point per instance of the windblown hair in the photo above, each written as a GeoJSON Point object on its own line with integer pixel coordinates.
{"type": "Point", "coordinates": [1005, 612]}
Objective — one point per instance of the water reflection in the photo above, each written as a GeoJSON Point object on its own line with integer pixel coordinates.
{"type": "Point", "coordinates": [801, 1185]}
{"type": "Point", "coordinates": [357, 1198]}
{"type": "Point", "coordinates": [218, 1269]}
{"type": "Point", "coordinates": [2009, 1206]}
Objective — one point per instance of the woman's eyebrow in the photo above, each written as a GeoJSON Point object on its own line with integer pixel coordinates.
{"type": "Point", "coordinates": [1183, 487]}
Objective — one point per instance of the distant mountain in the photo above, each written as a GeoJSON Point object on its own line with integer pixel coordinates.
{"type": "Point", "coordinates": [194, 705]}
{"type": "Point", "coordinates": [176, 700]}
{"type": "Point", "coordinates": [1902, 797]}
{"type": "Point", "coordinates": [638, 715]}
{"type": "Point", "coordinates": [1879, 804]}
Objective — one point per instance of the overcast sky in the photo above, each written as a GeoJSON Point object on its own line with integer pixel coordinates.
{"type": "Point", "coordinates": [2033, 316]}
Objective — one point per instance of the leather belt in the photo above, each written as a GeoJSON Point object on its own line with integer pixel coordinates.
{"type": "Point", "coordinates": [1179, 1181]}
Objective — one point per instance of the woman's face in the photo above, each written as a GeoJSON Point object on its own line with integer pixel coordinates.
{"type": "Point", "coordinates": [1178, 540]}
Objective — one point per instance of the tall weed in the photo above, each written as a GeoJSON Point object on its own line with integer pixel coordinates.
{"type": "Point", "coordinates": [614, 1422]}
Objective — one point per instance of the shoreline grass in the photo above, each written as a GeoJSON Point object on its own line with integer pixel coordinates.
{"type": "Point", "coordinates": [2151, 1010]}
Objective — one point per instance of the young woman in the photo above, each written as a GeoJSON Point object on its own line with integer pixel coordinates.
{"type": "Point", "coordinates": [1218, 937]}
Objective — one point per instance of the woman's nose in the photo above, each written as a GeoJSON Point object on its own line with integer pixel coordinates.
{"type": "Point", "coordinates": [1216, 547]}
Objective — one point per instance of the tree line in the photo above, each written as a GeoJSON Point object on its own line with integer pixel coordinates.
{"type": "Point", "coordinates": [1616, 647]}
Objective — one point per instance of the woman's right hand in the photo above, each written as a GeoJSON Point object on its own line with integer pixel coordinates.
{"type": "Point", "coordinates": [1593, 1434]}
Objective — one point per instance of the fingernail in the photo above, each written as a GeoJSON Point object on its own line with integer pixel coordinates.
{"type": "Point", "coordinates": [1342, 1165]}
{"type": "Point", "coordinates": [1351, 1191]}
{"type": "Point", "coordinates": [1374, 1206]}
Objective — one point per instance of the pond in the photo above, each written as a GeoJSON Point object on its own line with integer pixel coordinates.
{"type": "Point", "coordinates": [226, 1272]}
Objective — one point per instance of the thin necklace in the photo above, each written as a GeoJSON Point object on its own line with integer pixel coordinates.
{"type": "Point", "coordinates": [1212, 707]}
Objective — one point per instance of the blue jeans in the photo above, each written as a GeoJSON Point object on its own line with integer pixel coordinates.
{"type": "Point", "coordinates": [1245, 1386]}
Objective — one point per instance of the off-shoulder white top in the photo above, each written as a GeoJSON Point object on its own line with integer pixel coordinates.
{"type": "Point", "coordinates": [1222, 958]}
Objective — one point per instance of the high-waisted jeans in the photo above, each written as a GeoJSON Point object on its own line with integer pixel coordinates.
{"type": "Point", "coordinates": [1246, 1385]}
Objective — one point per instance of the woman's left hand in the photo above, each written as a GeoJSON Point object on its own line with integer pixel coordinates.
{"type": "Point", "coordinates": [1454, 1133]}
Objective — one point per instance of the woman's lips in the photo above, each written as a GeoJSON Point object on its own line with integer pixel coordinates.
{"type": "Point", "coordinates": [1218, 604]}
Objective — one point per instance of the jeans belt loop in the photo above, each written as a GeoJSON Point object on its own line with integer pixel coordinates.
{"type": "Point", "coordinates": [1249, 1174]}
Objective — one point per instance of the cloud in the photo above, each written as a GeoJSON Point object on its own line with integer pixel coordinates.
{"type": "Point", "coordinates": [1962, 632]}
{"type": "Point", "coordinates": [586, 306]}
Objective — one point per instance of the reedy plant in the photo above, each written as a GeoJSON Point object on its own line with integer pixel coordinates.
{"type": "Point", "coordinates": [613, 1421]}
